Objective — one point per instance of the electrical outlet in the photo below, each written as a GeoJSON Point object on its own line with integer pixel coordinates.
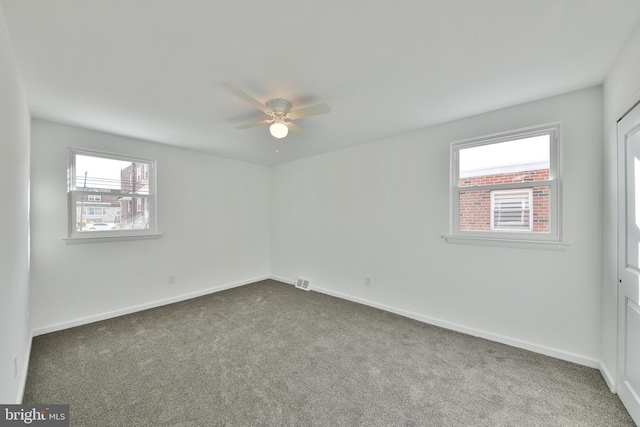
{"type": "Point", "coordinates": [15, 366]}
{"type": "Point", "coordinates": [367, 281]}
{"type": "Point", "coordinates": [172, 279]}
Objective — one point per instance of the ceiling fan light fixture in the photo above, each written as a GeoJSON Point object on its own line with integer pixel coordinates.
{"type": "Point", "coordinates": [278, 129]}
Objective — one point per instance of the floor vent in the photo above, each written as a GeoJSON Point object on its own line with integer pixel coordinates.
{"type": "Point", "coordinates": [303, 283]}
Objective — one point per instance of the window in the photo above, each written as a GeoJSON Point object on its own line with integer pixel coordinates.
{"type": "Point", "coordinates": [91, 211]}
{"type": "Point", "coordinates": [104, 201]}
{"type": "Point", "coordinates": [507, 186]}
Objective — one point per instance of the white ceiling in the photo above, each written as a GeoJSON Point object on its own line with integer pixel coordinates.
{"type": "Point", "coordinates": [164, 70]}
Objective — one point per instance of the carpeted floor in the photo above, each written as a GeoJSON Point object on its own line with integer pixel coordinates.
{"type": "Point", "coordinates": [270, 354]}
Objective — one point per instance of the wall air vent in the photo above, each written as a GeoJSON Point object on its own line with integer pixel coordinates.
{"type": "Point", "coordinates": [303, 283]}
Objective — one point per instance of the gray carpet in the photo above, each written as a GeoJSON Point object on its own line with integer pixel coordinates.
{"type": "Point", "coordinates": [270, 354]}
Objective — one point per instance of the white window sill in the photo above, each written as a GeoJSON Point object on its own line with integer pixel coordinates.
{"type": "Point", "coordinates": [106, 238]}
{"type": "Point", "coordinates": [508, 243]}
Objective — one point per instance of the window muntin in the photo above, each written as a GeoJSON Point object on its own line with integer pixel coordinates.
{"type": "Point", "coordinates": [101, 192]}
{"type": "Point", "coordinates": [489, 168]}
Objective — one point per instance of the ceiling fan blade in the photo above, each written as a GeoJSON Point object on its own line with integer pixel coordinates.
{"type": "Point", "coordinates": [296, 129]}
{"type": "Point", "coordinates": [258, 123]}
{"type": "Point", "coordinates": [313, 110]}
{"type": "Point", "coordinates": [251, 100]}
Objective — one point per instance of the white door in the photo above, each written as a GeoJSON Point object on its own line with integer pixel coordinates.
{"type": "Point", "coordinates": [629, 262]}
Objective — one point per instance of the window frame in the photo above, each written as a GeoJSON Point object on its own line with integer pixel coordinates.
{"type": "Point", "coordinates": [554, 236]}
{"type": "Point", "coordinates": [76, 236]}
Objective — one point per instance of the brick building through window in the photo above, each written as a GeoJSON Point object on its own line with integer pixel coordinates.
{"type": "Point", "coordinates": [134, 180]}
{"type": "Point", "coordinates": [478, 213]}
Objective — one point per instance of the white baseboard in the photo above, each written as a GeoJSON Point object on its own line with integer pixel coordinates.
{"type": "Point", "coordinates": [25, 370]}
{"type": "Point", "coordinates": [514, 342]}
{"type": "Point", "coordinates": [282, 279]}
{"type": "Point", "coordinates": [128, 310]}
{"type": "Point", "coordinates": [608, 378]}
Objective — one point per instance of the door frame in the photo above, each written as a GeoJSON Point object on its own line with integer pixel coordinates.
{"type": "Point", "coordinates": [622, 190]}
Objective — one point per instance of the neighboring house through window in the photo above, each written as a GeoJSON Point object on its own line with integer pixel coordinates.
{"type": "Point", "coordinates": [101, 190]}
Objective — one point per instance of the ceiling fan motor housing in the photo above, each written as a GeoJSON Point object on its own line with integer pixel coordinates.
{"type": "Point", "coordinates": [278, 105]}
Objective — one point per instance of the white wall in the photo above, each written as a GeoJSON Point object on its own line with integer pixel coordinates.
{"type": "Point", "coordinates": [213, 214]}
{"type": "Point", "coordinates": [15, 338]}
{"type": "Point", "coordinates": [380, 209]}
{"type": "Point", "coordinates": [621, 92]}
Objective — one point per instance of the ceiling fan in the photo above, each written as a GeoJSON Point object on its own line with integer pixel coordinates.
{"type": "Point", "coordinates": [279, 111]}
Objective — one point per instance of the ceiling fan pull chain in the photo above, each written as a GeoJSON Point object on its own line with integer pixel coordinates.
{"type": "Point", "coordinates": [279, 145]}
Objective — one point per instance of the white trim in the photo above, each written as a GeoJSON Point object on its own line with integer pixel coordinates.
{"type": "Point", "coordinates": [627, 106]}
{"type": "Point", "coordinates": [608, 378]}
{"type": "Point", "coordinates": [627, 276]}
{"type": "Point", "coordinates": [282, 279]}
{"type": "Point", "coordinates": [133, 309]}
{"type": "Point", "coordinates": [102, 238]}
{"type": "Point", "coordinates": [514, 342]}
{"type": "Point", "coordinates": [508, 243]}
{"type": "Point", "coordinates": [25, 371]}
{"type": "Point", "coordinates": [521, 133]}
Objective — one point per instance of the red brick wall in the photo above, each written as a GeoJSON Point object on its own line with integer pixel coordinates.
{"type": "Point", "coordinates": [475, 205]}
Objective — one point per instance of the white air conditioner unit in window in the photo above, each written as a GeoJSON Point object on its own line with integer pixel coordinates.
{"type": "Point", "coordinates": [303, 283]}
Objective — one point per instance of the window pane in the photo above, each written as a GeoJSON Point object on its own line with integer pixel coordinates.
{"type": "Point", "coordinates": [521, 160]}
{"type": "Point", "coordinates": [101, 174]}
{"type": "Point", "coordinates": [112, 213]}
{"type": "Point", "coordinates": [509, 214]}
